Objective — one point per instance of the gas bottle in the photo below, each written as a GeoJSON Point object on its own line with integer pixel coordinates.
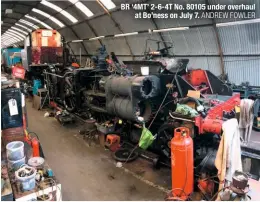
{"type": "Point", "coordinates": [182, 163]}
{"type": "Point", "coordinates": [35, 147]}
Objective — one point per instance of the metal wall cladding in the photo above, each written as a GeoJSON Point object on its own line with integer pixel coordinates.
{"type": "Point", "coordinates": [242, 69]}
{"type": "Point", "coordinates": [105, 26]}
{"type": "Point", "coordinates": [235, 40]}
{"type": "Point", "coordinates": [207, 63]}
{"type": "Point", "coordinates": [236, 2]}
{"type": "Point", "coordinates": [195, 41]}
{"type": "Point", "coordinates": [240, 39]}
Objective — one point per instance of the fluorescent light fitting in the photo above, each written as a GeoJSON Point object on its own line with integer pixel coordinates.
{"type": "Point", "coordinates": [69, 16]}
{"type": "Point", "coordinates": [58, 9]}
{"type": "Point", "coordinates": [15, 32]}
{"type": "Point", "coordinates": [36, 20]}
{"type": "Point", "coordinates": [108, 4]}
{"type": "Point", "coordinates": [51, 5]}
{"type": "Point", "coordinates": [96, 38]}
{"type": "Point", "coordinates": [171, 29]}
{"type": "Point", "coordinates": [242, 22]}
{"type": "Point", "coordinates": [29, 30]}
{"type": "Point", "coordinates": [126, 34]}
{"type": "Point", "coordinates": [28, 23]}
{"type": "Point", "coordinates": [55, 20]}
{"type": "Point", "coordinates": [17, 29]}
{"type": "Point", "coordinates": [76, 41]}
{"type": "Point", "coordinates": [84, 9]}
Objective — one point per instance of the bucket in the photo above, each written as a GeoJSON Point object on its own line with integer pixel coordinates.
{"type": "Point", "coordinates": [27, 182]}
{"type": "Point", "coordinates": [16, 164]}
{"type": "Point", "coordinates": [145, 71]}
{"type": "Point", "coordinates": [15, 150]}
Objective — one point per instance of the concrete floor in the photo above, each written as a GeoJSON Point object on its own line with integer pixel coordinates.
{"type": "Point", "coordinates": [89, 173]}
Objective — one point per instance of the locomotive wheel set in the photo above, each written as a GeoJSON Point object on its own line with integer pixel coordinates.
{"type": "Point", "coordinates": [130, 99]}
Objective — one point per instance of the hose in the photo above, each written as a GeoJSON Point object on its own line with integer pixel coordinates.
{"type": "Point", "coordinates": [123, 151]}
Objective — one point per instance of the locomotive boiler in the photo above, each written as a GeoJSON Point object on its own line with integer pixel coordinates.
{"type": "Point", "coordinates": [124, 93]}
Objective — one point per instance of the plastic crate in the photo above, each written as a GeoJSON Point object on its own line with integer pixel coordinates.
{"type": "Point", "coordinates": [104, 129]}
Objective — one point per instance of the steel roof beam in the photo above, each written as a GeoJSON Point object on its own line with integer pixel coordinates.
{"type": "Point", "coordinates": [117, 25]}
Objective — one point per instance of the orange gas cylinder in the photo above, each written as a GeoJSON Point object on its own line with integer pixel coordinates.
{"type": "Point", "coordinates": [182, 163]}
{"type": "Point", "coordinates": [35, 147]}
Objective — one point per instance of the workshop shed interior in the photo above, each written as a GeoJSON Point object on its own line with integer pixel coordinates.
{"type": "Point", "coordinates": [112, 100]}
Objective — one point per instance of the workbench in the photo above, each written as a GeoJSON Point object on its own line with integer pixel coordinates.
{"type": "Point", "coordinates": [46, 187]}
{"type": "Point", "coordinates": [41, 189]}
{"type": "Point", "coordinates": [7, 192]}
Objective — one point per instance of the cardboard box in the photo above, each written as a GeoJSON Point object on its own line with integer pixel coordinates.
{"type": "Point", "coordinates": [194, 94]}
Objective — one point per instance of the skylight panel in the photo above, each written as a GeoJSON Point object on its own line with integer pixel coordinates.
{"type": "Point", "coordinates": [15, 32]}
{"type": "Point", "coordinates": [82, 7]}
{"type": "Point", "coordinates": [28, 23]}
{"type": "Point", "coordinates": [55, 20]}
{"type": "Point", "coordinates": [108, 4]}
{"type": "Point", "coordinates": [12, 35]}
{"type": "Point", "coordinates": [36, 20]}
{"type": "Point", "coordinates": [58, 9]}
{"type": "Point", "coordinates": [29, 30]}
{"type": "Point", "coordinates": [7, 39]}
{"type": "Point", "coordinates": [17, 29]}
{"type": "Point", "coordinates": [69, 16]}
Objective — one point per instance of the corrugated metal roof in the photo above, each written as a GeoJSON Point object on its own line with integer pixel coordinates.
{"type": "Point", "coordinates": [239, 39]}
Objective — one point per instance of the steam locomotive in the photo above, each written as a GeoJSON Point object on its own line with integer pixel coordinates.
{"type": "Point", "coordinates": [109, 89]}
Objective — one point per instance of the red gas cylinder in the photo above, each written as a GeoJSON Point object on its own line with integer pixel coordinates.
{"type": "Point", "coordinates": [182, 163]}
{"type": "Point", "coordinates": [35, 147]}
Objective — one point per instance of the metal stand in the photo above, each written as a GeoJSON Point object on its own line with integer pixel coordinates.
{"type": "Point", "coordinates": [47, 96]}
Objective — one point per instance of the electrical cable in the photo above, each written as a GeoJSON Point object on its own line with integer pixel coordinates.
{"type": "Point", "coordinates": [34, 134]}
{"type": "Point", "coordinates": [218, 193]}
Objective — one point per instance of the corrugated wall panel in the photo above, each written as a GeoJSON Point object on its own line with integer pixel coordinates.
{"type": "Point", "coordinates": [207, 63]}
{"type": "Point", "coordinates": [105, 26]}
{"type": "Point", "coordinates": [116, 45]}
{"type": "Point", "coordinates": [236, 2]}
{"type": "Point", "coordinates": [83, 30]}
{"type": "Point", "coordinates": [243, 69]}
{"type": "Point", "coordinates": [240, 39]}
{"type": "Point", "coordinates": [129, 24]}
{"type": "Point", "coordinates": [68, 35]}
{"type": "Point", "coordinates": [193, 42]}
{"type": "Point", "coordinates": [92, 46]}
{"type": "Point", "coordinates": [137, 43]}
